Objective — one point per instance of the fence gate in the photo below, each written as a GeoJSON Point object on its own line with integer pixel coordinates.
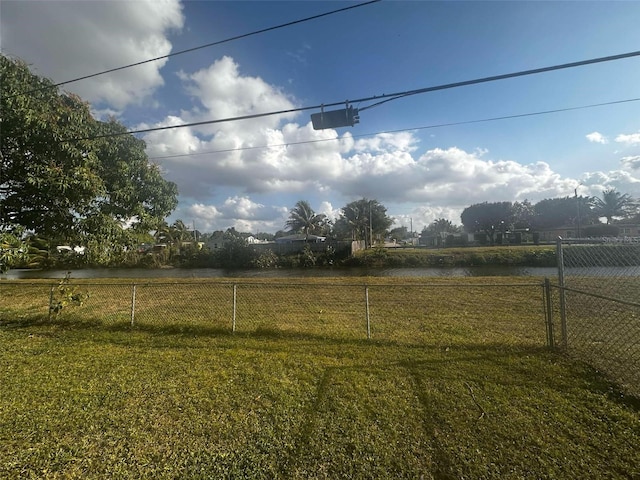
{"type": "Point", "coordinates": [599, 288]}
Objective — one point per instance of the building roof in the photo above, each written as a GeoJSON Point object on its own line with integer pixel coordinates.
{"type": "Point", "coordinates": [299, 237]}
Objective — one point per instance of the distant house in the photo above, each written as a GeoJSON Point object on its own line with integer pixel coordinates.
{"type": "Point", "coordinates": [446, 239]}
{"type": "Point", "coordinates": [301, 238]}
{"type": "Point", "coordinates": [68, 249]}
{"type": "Point", "coordinates": [600, 230]}
{"type": "Point", "coordinates": [251, 240]}
{"type": "Point", "coordinates": [198, 245]}
{"type": "Point", "coordinates": [215, 241]}
{"type": "Point", "coordinates": [628, 229]}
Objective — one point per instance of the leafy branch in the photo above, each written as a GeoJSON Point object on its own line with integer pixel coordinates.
{"type": "Point", "coordinates": [66, 295]}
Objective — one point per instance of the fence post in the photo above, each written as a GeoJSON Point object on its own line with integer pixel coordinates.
{"type": "Point", "coordinates": [235, 293]}
{"type": "Point", "coordinates": [133, 304]}
{"type": "Point", "coordinates": [563, 304]}
{"type": "Point", "coordinates": [549, 313]}
{"type": "Point", "coordinates": [366, 301]}
{"type": "Point", "coordinates": [50, 301]}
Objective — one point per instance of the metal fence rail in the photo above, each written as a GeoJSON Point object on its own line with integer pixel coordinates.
{"type": "Point", "coordinates": [426, 314]}
{"type": "Point", "coordinates": [599, 290]}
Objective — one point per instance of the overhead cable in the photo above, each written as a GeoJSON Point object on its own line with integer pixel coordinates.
{"type": "Point", "coordinates": [440, 125]}
{"type": "Point", "coordinates": [200, 47]}
{"type": "Point", "coordinates": [389, 97]}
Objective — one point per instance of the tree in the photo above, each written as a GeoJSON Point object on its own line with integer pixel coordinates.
{"type": "Point", "coordinates": [437, 231]}
{"type": "Point", "coordinates": [269, 237]}
{"type": "Point", "coordinates": [13, 248]}
{"type": "Point", "coordinates": [440, 225]}
{"type": "Point", "coordinates": [560, 212]}
{"type": "Point", "coordinates": [400, 233]}
{"type": "Point", "coordinates": [180, 232]}
{"type": "Point", "coordinates": [523, 215]}
{"type": "Point", "coordinates": [57, 179]}
{"type": "Point", "coordinates": [302, 219]}
{"type": "Point", "coordinates": [363, 219]}
{"type": "Point", "coordinates": [488, 218]}
{"type": "Point", "coordinates": [236, 252]}
{"type": "Point", "coordinates": [613, 204]}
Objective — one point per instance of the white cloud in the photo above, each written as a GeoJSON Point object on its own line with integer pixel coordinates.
{"type": "Point", "coordinates": [105, 35]}
{"type": "Point", "coordinates": [596, 137]}
{"type": "Point", "coordinates": [300, 54]}
{"type": "Point", "coordinates": [327, 209]}
{"type": "Point", "coordinates": [632, 139]}
{"type": "Point", "coordinates": [241, 213]}
{"type": "Point", "coordinates": [224, 93]}
{"type": "Point", "coordinates": [328, 167]}
{"type": "Point", "coordinates": [622, 180]}
{"type": "Point", "coordinates": [631, 163]}
{"type": "Point", "coordinates": [402, 141]}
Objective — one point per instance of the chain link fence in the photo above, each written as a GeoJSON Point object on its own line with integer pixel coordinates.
{"type": "Point", "coordinates": [599, 307]}
{"type": "Point", "coordinates": [438, 313]}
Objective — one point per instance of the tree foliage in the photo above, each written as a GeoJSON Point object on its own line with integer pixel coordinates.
{"type": "Point", "coordinates": [614, 204]}
{"type": "Point", "coordinates": [563, 211]}
{"type": "Point", "coordinates": [361, 219]}
{"type": "Point", "coordinates": [302, 219]}
{"type": "Point", "coordinates": [439, 226]}
{"type": "Point", "coordinates": [60, 181]}
{"type": "Point", "coordinates": [400, 233]}
{"type": "Point", "coordinates": [236, 252]}
{"type": "Point", "coordinates": [13, 249]}
{"type": "Point", "coordinates": [488, 218]}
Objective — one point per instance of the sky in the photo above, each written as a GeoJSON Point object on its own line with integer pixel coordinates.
{"type": "Point", "coordinates": [423, 156]}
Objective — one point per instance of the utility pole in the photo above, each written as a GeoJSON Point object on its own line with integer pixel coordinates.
{"type": "Point", "coordinates": [578, 208]}
{"type": "Point", "coordinates": [370, 226]}
{"type": "Point", "coordinates": [411, 218]}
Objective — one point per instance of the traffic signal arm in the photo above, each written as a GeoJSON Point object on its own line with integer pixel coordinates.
{"type": "Point", "coordinates": [345, 117]}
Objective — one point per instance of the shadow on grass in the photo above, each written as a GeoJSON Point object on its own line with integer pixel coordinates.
{"type": "Point", "coordinates": [261, 332]}
{"type": "Point", "coordinates": [413, 357]}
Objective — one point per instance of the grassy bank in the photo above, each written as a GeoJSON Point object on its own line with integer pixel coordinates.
{"type": "Point", "coordinates": [468, 392]}
{"type": "Point", "coordinates": [530, 256]}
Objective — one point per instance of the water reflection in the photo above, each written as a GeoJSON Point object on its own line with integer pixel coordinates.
{"type": "Point", "coordinates": [89, 273]}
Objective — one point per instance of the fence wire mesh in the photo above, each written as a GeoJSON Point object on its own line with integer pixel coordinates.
{"type": "Point", "coordinates": [428, 314]}
{"type": "Point", "coordinates": [602, 308]}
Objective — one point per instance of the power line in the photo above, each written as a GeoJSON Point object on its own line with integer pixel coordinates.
{"type": "Point", "coordinates": [388, 97]}
{"type": "Point", "coordinates": [502, 77]}
{"type": "Point", "coordinates": [440, 125]}
{"type": "Point", "coordinates": [200, 47]}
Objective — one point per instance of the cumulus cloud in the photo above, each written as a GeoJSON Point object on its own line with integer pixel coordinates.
{"type": "Point", "coordinates": [631, 139]}
{"type": "Point", "coordinates": [241, 213]}
{"type": "Point", "coordinates": [279, 157]}
{"type": "Point", "coordinates": [223, 92]}
{"type": "Point", "coordinates": [625, 181]}
{"type": "Point", "coordinates": [106, 35]}
{"type": "Point", "coordinates": [596, 137]}
{"type": "Point", "coordinates": [631, 163]}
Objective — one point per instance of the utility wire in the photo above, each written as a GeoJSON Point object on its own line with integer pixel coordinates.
{"type": "Point", "coordinates": [193, 49]}
{"type": "Point", "coordinates": [389, 97]}
{"type": "Point", "coordinates": [440, 125]}
{"type": "Point", "coordinates": [501, 77]}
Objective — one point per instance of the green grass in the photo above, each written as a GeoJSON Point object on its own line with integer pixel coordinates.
{"type": "Point", "coordinates": [299, 392]}
{"type": "Point", "coordinates": [516, 255]}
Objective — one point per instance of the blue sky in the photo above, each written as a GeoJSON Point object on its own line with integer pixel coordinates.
{"type": "Point", "coordinates": [420, 174]}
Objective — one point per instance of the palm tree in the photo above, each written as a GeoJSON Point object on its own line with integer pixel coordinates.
{"type": "Point", "coordinates": [163, 233]}
{"type": "Point", "coordinates": [303, 219]}
{"type": "Point", "coordinates": [181, 232]}
{"type": "Point", "coordinates": [442, 225]}
{"type": "Point", "coordinates": [613, 204]}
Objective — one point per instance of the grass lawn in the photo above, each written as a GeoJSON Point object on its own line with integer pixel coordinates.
{"type": "Point", "coordinates": [525, 255]}
{"type": "Point", "coordinates": [91, 400]}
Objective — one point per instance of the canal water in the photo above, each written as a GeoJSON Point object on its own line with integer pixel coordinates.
{"type": "Point", "coordinates": [89, 273]}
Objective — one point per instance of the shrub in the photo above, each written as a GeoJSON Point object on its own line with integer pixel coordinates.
{"type": "Point", "coordinates": [66, 295]}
